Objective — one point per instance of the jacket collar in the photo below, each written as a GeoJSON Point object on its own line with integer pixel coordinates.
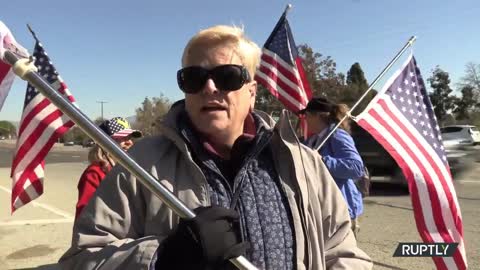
{"type": "Point", "coordinates": [253, 126]}
{"type": "Point", "coordinates": [170, 125]}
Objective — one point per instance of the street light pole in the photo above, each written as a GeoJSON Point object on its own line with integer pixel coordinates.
{"type": "Point", "coordinates": [101, 105]}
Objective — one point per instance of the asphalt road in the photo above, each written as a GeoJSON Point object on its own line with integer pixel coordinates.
{"type": "Point", "coordinates": [63, 156]}
{"type": "Point", "coordinates": [36, 235]}
{"type": "Point", "coordinates": [388, 219]}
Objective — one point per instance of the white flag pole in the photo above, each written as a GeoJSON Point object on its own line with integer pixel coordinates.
{"type": "Point", "coordinates": [385, 70]}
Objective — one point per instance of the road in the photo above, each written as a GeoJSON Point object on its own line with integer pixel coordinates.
{"type": "Point", "coordinates": [388, 219]}
{"type": "Point", "coordinates": [37, 234]}
{"type": "Point", "coordinates": [64, 156]}
{"type": "Point", "coordinates": [40, 232]}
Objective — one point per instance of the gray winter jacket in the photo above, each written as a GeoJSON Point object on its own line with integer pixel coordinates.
{"type": "Point", "coordinates": [124, 223]}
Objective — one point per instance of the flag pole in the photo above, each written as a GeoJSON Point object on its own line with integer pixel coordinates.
{"type": "Point", "coordinates": [26, 70]}
{"type": "Point", "coordinates": [385, 70]}
{"type": "Point", "coordinates": [287, 9]}
{"type": "Point", "coordinates": [301, 121]}
{"type": "Point", "coordinates": [32, 32]}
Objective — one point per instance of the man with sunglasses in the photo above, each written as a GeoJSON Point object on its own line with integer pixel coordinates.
{"type": "Point", "coordinates": [255, 189]}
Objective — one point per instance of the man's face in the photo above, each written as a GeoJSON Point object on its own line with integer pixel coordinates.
{"type": "Point", "coordinates": [314, 122]}
{"type": "Point", "coordinates": [125, 143]}
{"type": "Point", "coordinates": [214, 112]}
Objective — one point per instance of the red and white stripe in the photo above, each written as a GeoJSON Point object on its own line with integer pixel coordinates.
{"type": "Point", "coordinates": [6, 80]}
{"type": "Point", "coordinates": [287, 83]}
{"type": "Point", "coordinates": [123, 133]}
{"type": "Point", "coordinates": [7, 42]}
{"type": "Point", "coordinates": [41, 126]}
{"type": "Point", "coordinates": [436, 209]}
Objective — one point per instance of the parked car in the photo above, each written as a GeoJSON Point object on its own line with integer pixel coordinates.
{"type": "Point", "coordinates": [376, 158]}
{"type": "Point", "coordinates": [88, 143]}
{"type": "Point", "coordinates": [383, 168]}
{"type": "Point", "coordinates": [456, 144]}
{"type": "Point", "coordinates": [68, 143]}
{"type": "Point", "coordinates": [461, 134]}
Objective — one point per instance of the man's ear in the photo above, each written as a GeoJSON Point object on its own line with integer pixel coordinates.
{"type": "Point", "coordinates": [253, 94]}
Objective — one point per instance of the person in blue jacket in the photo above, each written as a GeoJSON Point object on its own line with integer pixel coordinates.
{"type": "Point", "coordinates": [338, 153]}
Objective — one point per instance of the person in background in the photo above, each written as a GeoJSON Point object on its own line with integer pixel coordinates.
{"type": "Point", "coordinates": [338, 153]}
{"type": "Point", "coordinates": [102, 162]}
{"type": "Point", "coordinates": [255, 189]}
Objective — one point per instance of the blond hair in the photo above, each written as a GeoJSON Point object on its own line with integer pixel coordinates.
{"type": "Point", "coordinates": [246, 49]}
{"type": "Point", "coordinates": [98, 155]}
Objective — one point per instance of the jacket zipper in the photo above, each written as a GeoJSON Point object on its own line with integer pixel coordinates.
{"type": "Point", "coordinates": [302, 211]}
{"type": "Point", "coordinates": [305, 228]}
{"type": "Point", "coordinates": [303, 221]}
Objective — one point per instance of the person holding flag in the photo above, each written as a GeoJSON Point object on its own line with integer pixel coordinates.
{"type": "Point", "coordinates": [338, 153]}
{"type": "Point", "coordinates": [402, 119]}
{"type": "Point", "coordinates": [101, 162]}
{"type": "Point", "coordinates": [255, 189]}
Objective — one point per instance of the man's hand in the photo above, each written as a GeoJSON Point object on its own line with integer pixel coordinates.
{"type": "Point", "coordinates": [207, 240]}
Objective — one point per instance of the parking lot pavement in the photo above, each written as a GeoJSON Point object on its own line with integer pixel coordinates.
{"type": "Point", "coordinates": [56, 146]}
{"type": "Point", "coordinates": [39, 233]}
{"type": "Point", "coordinates": [388, 220]}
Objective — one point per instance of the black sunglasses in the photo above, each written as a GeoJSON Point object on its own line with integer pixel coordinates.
{"type": "Point", "coordinates": [192, 79]}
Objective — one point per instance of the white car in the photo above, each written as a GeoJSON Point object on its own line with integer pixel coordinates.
{"type": "Point", "coordinates": [461, 134]}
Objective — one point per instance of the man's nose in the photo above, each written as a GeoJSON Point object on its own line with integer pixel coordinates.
{"type": "Point", "coordinates": [210, 87]}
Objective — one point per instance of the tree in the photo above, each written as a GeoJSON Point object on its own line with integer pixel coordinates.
{"type": "Point", "coordinates": [321, 76]}
{"type": "Point", "coordinates": [266, 102]}
{"type": "Point", "coordinates": [324, 80]}
{"type": "Point", "coordinates": [145, 116]}
{"type": "Point", "coordinates": [442, 99]}
{"type": "Point", "coordinates": [98, 120]}
{"type": "Point", "coordinates": [75, 134]}
{"type": "Point", "coordinates": [161, 105]}
{"type": "Point", "coordinates": [311, 64]}
{"type": "Point", "coordinates": [474, 118]}
{"type": "Point", "coordinates": [465, 104]}
{"type": "Point", "coordinates": [355, 76]}
{"type": "Point", "coordinates": [356, 86]}
{"type": "Point", "coordinates": [321, 73]}
{"type": "Point", "coordinates": [150, 114]}
{"type": "Point", "coordinates": [7, 129]}
{"type": "Point", "coordinates": [472, 79]}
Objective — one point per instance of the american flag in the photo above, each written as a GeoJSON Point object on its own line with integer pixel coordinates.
{"type": "Point", "coordinates": [401, 118]}
{"type": "Point", "coordinates": [281, 70]}
{"type": "Point", "coordinates": [7, 42]}
{"type": "Point", "coordinates": [41, 125]}
{"type": "Point", "coordinates": [6, 80]}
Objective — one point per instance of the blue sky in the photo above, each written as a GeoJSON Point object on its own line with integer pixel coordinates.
{"type": "Point", "coordinates": [123, 51]}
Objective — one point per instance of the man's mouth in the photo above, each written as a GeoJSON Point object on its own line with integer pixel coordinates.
{"type": "Point", "coordinates": [213, 108]}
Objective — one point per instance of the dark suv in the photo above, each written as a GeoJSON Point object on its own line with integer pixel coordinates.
{"type": "Point", "coordinates": [383, 168]}
{"type": "Point", "coordinates": [380, 164]}
{"type": "Point", "coordinates": [88, 143]}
